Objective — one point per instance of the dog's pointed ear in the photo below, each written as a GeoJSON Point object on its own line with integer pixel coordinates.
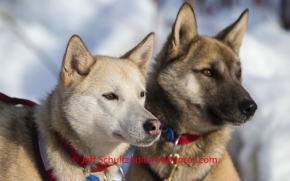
{"type": "Point", "coordinates": [184, 30]}
{"type": "Point", "coordinates": [76, 62]}
{"type": "Point", "coordinates": [142, 53]}
{"type": "Point", "coordinates": [234, 33]}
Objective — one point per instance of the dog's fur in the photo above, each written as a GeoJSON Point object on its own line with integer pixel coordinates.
{"type": "Point", "coordinates": [97, 106]}
{"type": "Point", "coordinates": [195, 88]}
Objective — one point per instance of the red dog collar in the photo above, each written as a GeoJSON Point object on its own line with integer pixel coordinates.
{"type": "Point", "coordinates": [185, 138]}
{"type": "Point", "coordinates": [172, 136]}
{"type": "Point", "coordinates": [76, 157]}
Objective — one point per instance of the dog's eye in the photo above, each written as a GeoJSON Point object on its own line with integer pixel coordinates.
{"type": "Point", "coordinates": [207, 72]}
{"type": "Point", "coordinates": [142, 94]}
{"type": "Point", "coordinates": [110, 96]}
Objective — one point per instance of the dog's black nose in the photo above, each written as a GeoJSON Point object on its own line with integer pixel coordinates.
{"type": "Point", "coordinates": [153, 127]}
{"type": "Point", "coordinates": [248, 107]}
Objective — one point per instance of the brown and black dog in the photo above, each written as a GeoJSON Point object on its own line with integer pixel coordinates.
{"type": "Point", "coordinates": [195, 89]}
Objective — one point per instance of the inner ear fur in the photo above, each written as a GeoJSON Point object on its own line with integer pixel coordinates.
{"type": "Point", "coordinates": [183, 32]}
{"type": "Point", "coordinates": [142, 53]}
{"type": "Point", "coordinates": [76, 62]}
{"type": "Point", "coordinates": [233, 34]}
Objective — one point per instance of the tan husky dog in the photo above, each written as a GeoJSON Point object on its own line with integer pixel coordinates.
{"type": "Point", "coordinates": [195, 89]}
{"type": "Point", "coordinates": [95, 111]}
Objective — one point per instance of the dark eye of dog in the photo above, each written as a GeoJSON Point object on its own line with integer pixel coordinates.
{"type": "Point", "coordinates": [142, 94]}
{"type": "Point", "coordinates": [110, 96]}
{"type": "Point", "coordinates": [207, 72]}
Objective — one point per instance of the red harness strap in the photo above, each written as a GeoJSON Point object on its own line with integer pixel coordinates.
{"type": "Point", "coordinates": [15, 101]}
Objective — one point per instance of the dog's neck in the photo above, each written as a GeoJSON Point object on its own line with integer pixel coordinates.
{"type": "Point", "coordinates": [200, 148]}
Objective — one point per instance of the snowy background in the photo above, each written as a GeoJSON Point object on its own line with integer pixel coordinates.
{"type": "Point", "coordinates": [34, 34]}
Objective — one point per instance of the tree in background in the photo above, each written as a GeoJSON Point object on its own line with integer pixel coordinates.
{"type": "Point", "coordinates": [285, 14]}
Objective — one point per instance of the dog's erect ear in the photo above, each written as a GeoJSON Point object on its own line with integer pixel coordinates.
{"type": "Point", "coordinates": [183, 32]}
{"type": "Point", "coordinates": [233, 34]}
{"type": "Point", "coordinates": [76, 62]}
{"type": "Point", "coordinates": [142, 53]}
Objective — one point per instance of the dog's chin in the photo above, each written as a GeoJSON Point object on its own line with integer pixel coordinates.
{"type": "Point", "coordinates": [218, 120]}
{"type": "Point", "coordinates": [143, 143]}
{"type": "Point", "coordinates": [147, 142]}
{"type": "Point", "coordinates": [215, 119]}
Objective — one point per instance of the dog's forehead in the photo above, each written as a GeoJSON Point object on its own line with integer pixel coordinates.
{"type": "Point", "coordinates": [117, 72]}
{"type": "Point", "coordinates": [209, 51]}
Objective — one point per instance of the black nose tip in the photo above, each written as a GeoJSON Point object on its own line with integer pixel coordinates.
{"type": "Point", "coordinates": [248, 107]}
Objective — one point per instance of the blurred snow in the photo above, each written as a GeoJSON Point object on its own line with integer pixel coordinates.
{"type": "Point", "coordinates": [29, 66]}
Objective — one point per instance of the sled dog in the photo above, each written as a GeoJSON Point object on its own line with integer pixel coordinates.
{"type": "Point", "coordinates": [95, 112]}
{"type": "Point", "coordinates": [195, 89]}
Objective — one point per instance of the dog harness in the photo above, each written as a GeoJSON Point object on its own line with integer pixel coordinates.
{"type": "Point", "coordinates": [15, 101]}
{"type": "Point", "coordinates": [38, 143]}
{"type": "Point", "coordinates": [76, 158]}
